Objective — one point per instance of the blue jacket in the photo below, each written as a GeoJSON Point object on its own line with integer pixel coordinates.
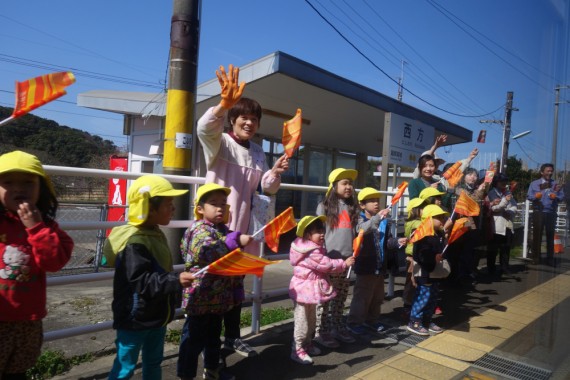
{"type": "Point", "coordinates": [379, 248]}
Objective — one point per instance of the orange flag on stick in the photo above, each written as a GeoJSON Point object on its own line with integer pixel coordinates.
{"type": "Point", "coordinates": [278, 226]}
{"type": "Point", "coordinates": [357, 243]}
{"type": "Point", "coordinates": [356, 247]}
{"type": "Point", "coordinates": [399, 192]}
{"type": "Point", "coordinates": [453, 175]}
{"type": "Point", "coordinates": [237, 263]}
{"type": "Point", "coordinates": [423, 230]}
{"type": "Point", "coordinates": [292, 133]}
{"type": "Point", "coordinates": [38, 91]}
{"type": "Point", "coordinates": [466, 205]}
{"type": "Point", "coordinates": [461, 226]}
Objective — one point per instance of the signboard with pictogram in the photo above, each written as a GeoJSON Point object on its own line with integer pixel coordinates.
{"type": "Point", "coordinates": [117, 198]}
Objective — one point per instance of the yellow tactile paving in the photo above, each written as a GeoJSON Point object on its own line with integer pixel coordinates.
{"type": "Point", "coordinates": [482, 325]}
{"type": "Point", "coordinates": [452, 363]}
{"type": "Point", "coordinates": [446, 355]}
{"type": "Point", "coordinates": [383, 372]}
{"type": "Point", "coordinates": [455, 347]}
{"type": "Point", "coordinates": [424, 369]}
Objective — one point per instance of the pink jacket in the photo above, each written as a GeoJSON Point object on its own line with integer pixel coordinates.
{"type": "Point", "coordinates": [310, 283]}
{"type": "Point", "coordinates": [231, 165]}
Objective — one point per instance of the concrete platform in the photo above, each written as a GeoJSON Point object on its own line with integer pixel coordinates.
{"type": "Point", "coordinates": [514, 327]}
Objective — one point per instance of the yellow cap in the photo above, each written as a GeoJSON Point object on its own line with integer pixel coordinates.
{"type": "Point", "coordinates": [368, 193]}
{"type": "Point", "coordinates": [205, 189]}
{"type": "Point", "coordinates": [433, 210]}
{"type": "Point", "coordinates": [413, 203]}
{"type": "Point", "coordinates": [430, 192]}
{"type": "Point", "coordinates": [141, 190]}
{"type": "Point", "coordinates": [339, 174]}
{"type": "Point", "coordinates": [305, 221]}
{"type": "Point", "coordinates": [18, 161]}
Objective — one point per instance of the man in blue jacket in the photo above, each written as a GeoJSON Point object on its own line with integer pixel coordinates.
{"type": "Point", "coordinates": [544, 193]}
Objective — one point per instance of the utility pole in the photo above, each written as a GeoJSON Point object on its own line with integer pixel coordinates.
{"type": "Point", "coordinates": [506, 123]}
{"type": "Point", "coordinates": [555, 129]}
{"type": "Point", "coordinates": [506, 133]}
{"type": "Point", "coordinates": [401, 82]}
{"type": "Point", "coordinates": [180, 104]}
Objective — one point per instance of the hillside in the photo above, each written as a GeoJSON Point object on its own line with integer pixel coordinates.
{"type": "Point", "coordinates": [60, 145]}
{"type": "Point", "coordinates": [54, 144]}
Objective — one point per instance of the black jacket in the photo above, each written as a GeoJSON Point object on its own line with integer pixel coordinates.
{"type": "Point", "coordinates": [145, 294]}
{"type": "Point", "coordinates": [424, 254]}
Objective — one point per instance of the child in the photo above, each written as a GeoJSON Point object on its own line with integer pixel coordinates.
{"type": "Point", "coordinates": [31, 244]}
{"type": "Point", "coordinates": [145, 288]}
{"type": "Point", "coordinates": [427, 252]}
{"type": "Point", "coordinates": [414, 210]}
{"type": "Point", "coordinates": [205, 241]}
{"type": "Point", "coordinates": [341, 209]}
{"type": "Point", "coordinates": [310, 283]}
{"type": "Point", "coordinates": [371, 264]}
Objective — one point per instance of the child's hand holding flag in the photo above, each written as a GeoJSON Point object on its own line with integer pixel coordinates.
{"type": "Point", "coordinates": [356, 247]}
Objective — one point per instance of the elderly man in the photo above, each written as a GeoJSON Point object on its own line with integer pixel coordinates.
{"type": "Point", "coordinates": [544, 193]}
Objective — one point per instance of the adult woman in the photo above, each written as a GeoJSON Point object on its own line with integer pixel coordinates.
{"type": "Point", "coordinates": [236, 162]}
{"type": "Point", "coordinates": [503, 207]}
{"type": "Point", "coordinates": [462, 252]}
{"type": "Point", "coordinates": [427, 167]}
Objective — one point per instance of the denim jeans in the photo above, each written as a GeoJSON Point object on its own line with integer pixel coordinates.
{"type": "Point", "coordinates": [129, 344]}
{"type": "Point", "coordinates": [200, 332]}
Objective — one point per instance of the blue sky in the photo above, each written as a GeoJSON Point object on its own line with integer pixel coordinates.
{"type": "Point", "coordinates": [461, 57]}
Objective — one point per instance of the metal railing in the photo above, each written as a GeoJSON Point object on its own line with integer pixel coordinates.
{"type": "Point", "coordinates": [257, 296]}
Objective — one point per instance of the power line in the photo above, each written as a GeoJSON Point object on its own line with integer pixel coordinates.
{"type": "Point", "coordinates": [437, 7]}
{"type": "Point", "coordinates": [443, 77]}
{"type": "Point", "coordinates": [78, 72]}
{"type": "Point", "coordinates": [387, 75]}
{"type": "Point", "coordinates": [44, 33]}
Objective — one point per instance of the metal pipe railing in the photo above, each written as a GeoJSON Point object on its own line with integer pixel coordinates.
{"type": "Point", "coordinates": [256, 297]}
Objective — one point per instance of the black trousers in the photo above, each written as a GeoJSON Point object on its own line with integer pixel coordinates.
{"type": "Point", "coordinates": [543, 221]}
{"type": "Point", "coordinates": [502, 244]}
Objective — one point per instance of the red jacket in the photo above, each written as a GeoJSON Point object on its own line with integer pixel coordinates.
{"type": "Point", "coordinates": [26, 254]}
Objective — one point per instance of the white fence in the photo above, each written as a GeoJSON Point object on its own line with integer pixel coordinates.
{"type": "Point", "coordinates": [257, 297]}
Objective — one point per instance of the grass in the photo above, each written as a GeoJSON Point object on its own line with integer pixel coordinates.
{"type": "Point", "coordinates": [52, 363]}
{"type": "Point", "coordinates": [268, 316]}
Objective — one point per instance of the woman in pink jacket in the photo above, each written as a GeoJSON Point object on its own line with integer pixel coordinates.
{"type": "Point", "coordinates": [236, 162]}
{"type": "Point", "coordinates": [310, 284]}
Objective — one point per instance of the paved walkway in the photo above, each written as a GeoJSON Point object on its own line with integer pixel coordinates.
{"type": "Point", "coordinates": [515, 327]}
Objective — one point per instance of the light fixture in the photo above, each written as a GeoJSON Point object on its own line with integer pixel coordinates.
{"type": "Point", "coordinates": [522, 134]}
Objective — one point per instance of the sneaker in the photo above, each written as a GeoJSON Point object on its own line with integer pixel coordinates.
{"type": "Point", "coordinates": [240, 347]}
{"type": "Point", "coordinates": [217, 374]}
{"type": "Point", "coordinates": [433, 328]}
{"type": "Point", "coordinates": [356, 329]}
{"type": "Point", "coordinates": [313, 350]}
{"type": "Point", "coordinates": [326, 340]}
{"type": "Point", "coordinates": [376, 327]}
{"type": "Point", "coordinates": [417, 328]}
{"type": "Point", "coordinates": [344, 336]}
{"type": "Point", "coordinates": [301, 356]}
{"type": "Point", "coordinates": [438, 310]}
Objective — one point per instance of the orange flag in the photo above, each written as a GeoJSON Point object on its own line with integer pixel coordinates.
{"type": "Point", "coordinates": [292, 134]}
{"type": "Point", "coordinates": [237, 263]}
{"type": "Point", "coordinates": [278, 226]}
{"type": "Point", "coordinates": [399, 192]}
{"type": "Point", "coordinates": [466, 205]}
{"type": "Point", "coordinates": [461, 226]}
{"type": "Point", "coordinates": [38, 91]}
{"type": "Point", "coordinates": [453, 174]}
{"type": "Point", "coordinates": [357, 243]}
{"type": "Point", "coordinates": [423, 230]}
